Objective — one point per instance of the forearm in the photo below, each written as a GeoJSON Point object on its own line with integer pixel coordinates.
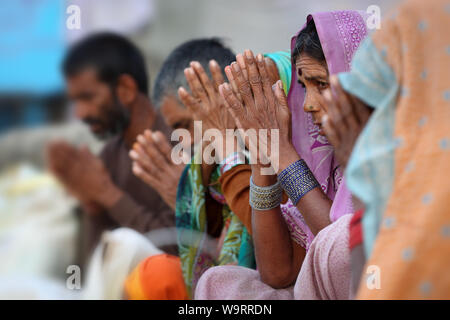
{"type": "Point", "coordinates": [274, 250]}
{"type": "Point", "coordinates": [127, 213]}
{"type": "Point", "coordinates": [315, 208]}
{"type": "Point", "coordinates": [315, 205]}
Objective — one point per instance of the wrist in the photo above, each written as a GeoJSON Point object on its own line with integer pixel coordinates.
{"type": "Point", "coordinates": [297, 180]}
{"type": "Point", "coordinates": [231, 160]}
{"type": "Point", "coordinates": [288, 157]}
{"type": "Point", "coordinates": [109, 196]}
{"type": "Point", "coordinates": [229, 146]}
{"type": "Point", "coordinates": [261, 179]}
{"type": "Point", "coordinates": [264, 198]}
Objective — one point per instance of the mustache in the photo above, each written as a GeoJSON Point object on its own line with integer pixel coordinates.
{"type": "Point", "coordinates": [92, 121]}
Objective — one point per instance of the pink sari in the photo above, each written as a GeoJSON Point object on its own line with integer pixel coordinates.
{"type": "Point", "coordinates": [325, 272]}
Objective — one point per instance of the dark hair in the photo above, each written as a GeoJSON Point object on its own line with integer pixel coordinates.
{"type": "Point", "coordinates": [171, 76]}
{"type": "Point", "coordinates": [111, 55]}
{"type": "Point", "coordinates": [308, 42]}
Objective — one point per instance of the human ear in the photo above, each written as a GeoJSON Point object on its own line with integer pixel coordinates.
{"type": "Point", "coordinates": [126, 90]}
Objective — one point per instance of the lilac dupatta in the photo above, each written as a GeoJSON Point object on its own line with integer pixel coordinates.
{"type": "Point", "coordinates": [340, 33]}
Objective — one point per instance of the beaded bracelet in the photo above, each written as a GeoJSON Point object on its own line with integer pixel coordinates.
{"type": "Point", "coordinates": [231, 161]}
{"type": "Point", "coordinates": [297, 180]}
{"type": "Point", "coordinates": [265, 198]}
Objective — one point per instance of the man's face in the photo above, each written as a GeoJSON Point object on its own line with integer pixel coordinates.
{"type": "Point", "coordinates": [177, 116]}
{"type": "Point", "coordinates": [96, 104]}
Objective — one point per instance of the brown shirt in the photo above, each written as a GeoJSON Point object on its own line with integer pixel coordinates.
{"type": "Point", "coordinates": [235, 184]}
{"type": "Point", "coordinates": [141, 208]}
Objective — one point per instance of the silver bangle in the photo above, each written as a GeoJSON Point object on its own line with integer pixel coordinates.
{"type": "Point", "coordinates": [265, 198]}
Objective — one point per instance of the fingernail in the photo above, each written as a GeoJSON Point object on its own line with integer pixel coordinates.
{"type": "Point", "coordinates": [155, 137]}
{"type": "Point", "coordinates": [229, 73]}
{"type": "Point", "coordinates": [324, 119]}
{"type": "Point", "coordinates": [248, 54]}
{"type": "Point", "coordinates": [260, 57]}
{"type": "Point", "coordinates": [235, 66]}
{"type": "Point", "coordinates": [136, 168]}
{"type": "Point", "coordinates": [141, 139]}
{"type": "Point", "coordinates": [134, 155]}
{"type": "Point", "coordinates": [280, 84]}
{"type": "Point", "coordinates": [213, 63]}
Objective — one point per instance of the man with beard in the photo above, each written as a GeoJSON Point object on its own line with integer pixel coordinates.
{"type": "Point", "coordinates": [106, 79]}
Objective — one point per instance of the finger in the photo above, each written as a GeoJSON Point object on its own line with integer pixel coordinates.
{"type": "Point", "coordinates": [216, 74]}
{"type": "Point", "coordinates": [162, 144]}
{"type": "Point", "coordinates": [232, 82]}
{"type": "Point", "coordinates": [330, 132]}
{"type": "Point", "coordinates": [157, 159]}
{"type": "Point", "coordinates": [362, 110]}
{"type": "Point", "coordinates": [143, 174]}
{"type": "Point", "coordinates": [265, 78]}
{"type": "Point", "coordinates": [345, 106]}
{"type": "Point", "coordinates": [234, 106]}
{"type": "Point", "coordinates": [283, 106]}
{"type": "Point", "coordinates": [138, 155]}
{"type": "Point", "coordinates": [333, 116]}
{"type": "Point", "coordinates": [281, 96]}
{"type": "Point", "coordinates": [204, 79]}
{"type": "Point", "coordinates": [195, 85]}
{"type": "Point", "coordinates": [243, 87]}
{"type": "Point", "coordinates": [242, 64]}
{"type": "Point", "coordinates": [189, 101]}
{"type": "Point", "coordinates": [255, 79]}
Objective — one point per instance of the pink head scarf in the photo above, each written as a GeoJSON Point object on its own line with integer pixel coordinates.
{"type": "Point", "coordinates": [340, 33]}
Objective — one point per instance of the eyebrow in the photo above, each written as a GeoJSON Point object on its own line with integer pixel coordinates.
{"type": "Point", "coordinates": [317, 78]}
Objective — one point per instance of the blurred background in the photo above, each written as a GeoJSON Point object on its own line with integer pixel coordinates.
{"type": "Point", "coordinates": [33, 109]}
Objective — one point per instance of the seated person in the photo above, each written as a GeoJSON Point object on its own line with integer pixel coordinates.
{"type": "Point", "coordinates": [107, 81]}
{"type": "Point", "coordinates": [286, 247]}
{"type": "Point", "coordinates": [224, 227]}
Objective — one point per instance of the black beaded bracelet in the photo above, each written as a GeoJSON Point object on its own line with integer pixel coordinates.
{"type": "Point", "coordinates": [297, 180]}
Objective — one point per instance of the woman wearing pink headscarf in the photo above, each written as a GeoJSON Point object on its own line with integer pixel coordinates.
{"type": "Point", "coordinates": [301, 247]}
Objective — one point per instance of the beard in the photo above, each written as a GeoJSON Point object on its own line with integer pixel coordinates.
{"type": "Point", "coordinates": [115, 120]}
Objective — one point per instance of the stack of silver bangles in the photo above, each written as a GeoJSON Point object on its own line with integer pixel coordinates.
{"type": "Point", "coordinates": [265, 198]}
{"type": "Point", "coordinates": [296, 180]}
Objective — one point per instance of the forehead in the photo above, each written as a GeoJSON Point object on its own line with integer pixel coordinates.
{"type": "Point", "coordinates": [308, 66]}
{"type": "Point", "coordinates": [173, 110]}
{"type": "Point", "coordinates": [86, 77]}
